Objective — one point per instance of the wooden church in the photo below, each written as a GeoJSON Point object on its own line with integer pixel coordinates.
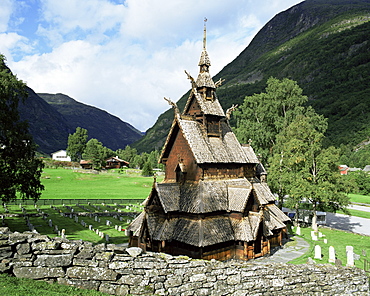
{"type": "Point", "coordinates": [214, 202]}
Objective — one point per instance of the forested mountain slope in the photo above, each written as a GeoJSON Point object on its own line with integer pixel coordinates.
{"type": "Point", "coordinates": [323, 45]}
{"type": "Point", "coordinates": [108, 129]}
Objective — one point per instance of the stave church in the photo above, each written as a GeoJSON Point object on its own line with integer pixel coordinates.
{"type": "Point", "coordinates": [214, 202]}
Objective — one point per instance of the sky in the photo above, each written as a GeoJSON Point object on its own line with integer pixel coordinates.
{"type": "Point", "coordinates": [124, 56]}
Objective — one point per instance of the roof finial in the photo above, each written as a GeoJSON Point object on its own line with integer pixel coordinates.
{"type": "Point", "coordinates": [205, 34]}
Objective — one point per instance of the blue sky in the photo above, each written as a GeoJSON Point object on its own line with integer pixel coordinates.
{"type": "Point", "coordinates": [125, 56]}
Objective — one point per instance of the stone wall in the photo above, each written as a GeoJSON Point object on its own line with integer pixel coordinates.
{"type": "Point", "coordinates": [119, 271]}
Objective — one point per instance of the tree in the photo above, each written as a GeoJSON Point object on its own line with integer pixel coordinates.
{"type": "Point", "coordinates": [77, 144]}
{"type": "Point", "coordinates": [127, 154]}
{"type": "Point", "coordinates": [20, 170]}
{"type": "Point", "coordinates": [304, 170]}
{"type": "Point", "coordinates": [147, 169]}
{"type": "Point", "coordinates": [94, 152]}
{"type": "Point", "coordinates": [262, 116]}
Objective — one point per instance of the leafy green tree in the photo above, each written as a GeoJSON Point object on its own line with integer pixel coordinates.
{"type": "Point", "coordinates": [94, 152]}
{"type": "Point", "coordinates": [262, 116]}
{"type": "Point", "coordinates": [77, 144]}
{"type": "Point", "coordinates": [303, 170]}
{"type": "Point", "coordinates": [147, 169]}
{"type": "Point", "coordinates": [362, 181]}
{"type": "Point", "coordinates": [20, 170]}
{"type": "Point", "coordinates": [127, 154]}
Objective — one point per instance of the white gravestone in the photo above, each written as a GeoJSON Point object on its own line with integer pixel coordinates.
{"type": "Point", "coordinates": [325, 241]}
{"type": "Point", "coordinates": [331, 254]}
{"type": "Point", "coordinates": [350, 256]}
{"type": "Point", "coordinates": [317, 252]}
{"type": "Point", "coordinates": [298, 232]}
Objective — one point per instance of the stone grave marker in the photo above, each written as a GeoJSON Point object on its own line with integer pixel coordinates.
{"type": "Point", "coordinates": [50, 223]}
{"type": "Point", "coordinates": [350, 257]}
{"type": "Point", "coordinates": [317, 252]}
{"type": "Point", "coordinates": [107, 238]}
{"type": "Point", "coordinates": [325, 241]}
{"type": "Point", "coordinates": [90, 227]}
{"type": "Point", "coordinates": [63, 234]}
{"type": "Point", "coordinates": [331, 254]}
{"type": "Point", "coordinates": [298, 232]}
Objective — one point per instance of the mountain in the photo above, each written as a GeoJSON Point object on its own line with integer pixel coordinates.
{"type": "Point", "coordinates": [108, 129]}
{"type": "Point", "coordinates": [48, 127]}
{"type": "Point", "coordinates": [323, 45]}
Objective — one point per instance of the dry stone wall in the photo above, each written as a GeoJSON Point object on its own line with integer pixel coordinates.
{"type": "Point", "coordinates": [119, 271]}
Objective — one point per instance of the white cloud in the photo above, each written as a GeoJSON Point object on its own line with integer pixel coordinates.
{"type": "Point", "coordinates": [5, 13]}
{"type": "Point", "coordinates": [125, 58]}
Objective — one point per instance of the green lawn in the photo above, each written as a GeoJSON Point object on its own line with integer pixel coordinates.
{"type": "Point", "coordinates": [357, 213]}
{"type": "Point", "coordinates": [365, 199]}
{"type": "Point", "coordinates": [12, 286]}
{"type": "Point", "coordinates": [78, 184]}
{"type": "Point", "coordinates": [339, 240]}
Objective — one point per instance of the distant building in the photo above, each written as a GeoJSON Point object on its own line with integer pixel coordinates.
{"type": "Point", "coordinates": [343, 169]}
{"type": "Point", "coordinates": [116, 163]}
{"type": "Point", "coordinates": [60, 155]}
{"type": "Point", "coordinates": [110, 163]}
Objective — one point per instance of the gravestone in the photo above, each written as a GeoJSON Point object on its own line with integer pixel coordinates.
{"type": "Point", "coordinates": [350, 257]}
{"type": "Point", "coordinates": [325, 241]}
{"type": "Point", "coordinates": [298, 232]}
{"type": "Point", "coordinates": [96, 218]}
{"type": "Point", "coordinates": [90, 227]}
{"type": "Point", "coordinates": [317, 252]}
{"type": "Point", "coordinates": [107, 238]}
{"type": "Point", "coordinates": [50, 223]}
{"type": "Point", "coordinates": [331, 254]}
{"type": "Point", "coordinates": [119, 228]}
{"type": "Point", "coordinates": [63, 233]}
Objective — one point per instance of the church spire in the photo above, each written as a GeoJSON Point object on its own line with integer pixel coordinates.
{"type": "Point", "coordinates": [205, 34]}
{"type": "Point", "coordinates": [204, 79]}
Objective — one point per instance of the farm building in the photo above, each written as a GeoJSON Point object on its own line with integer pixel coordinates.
{"type": "Point", "coordinates": [115, 163]}
{"type": "Point", "coordinates": [214, 202]}
{"type": "Point", "coordinates": [110, 163]}
{"type": "Point", "coordinates": [60, 155]}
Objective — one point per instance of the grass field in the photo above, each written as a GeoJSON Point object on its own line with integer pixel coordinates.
{"type": "Point", "coordinates": [12, 286]}
{"type": "Point", "coordinates": [79, 184]}
{"type": "Point", "coordinates": [365, 199]}
{"type": "Point", "coordinates": [339, 240]}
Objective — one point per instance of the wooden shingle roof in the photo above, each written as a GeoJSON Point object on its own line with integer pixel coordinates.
{"type": "Point", "coordinates": [263, 192]}
{"type": "Point", "coordinates": [224, 149]}
{"type": "Point", "coordinates": [206, 196]}
{"type": "Point", "coordinates": [203, 232]}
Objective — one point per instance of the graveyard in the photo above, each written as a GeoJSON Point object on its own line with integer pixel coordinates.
{"type": "Point", "coordinates": [81, 205]}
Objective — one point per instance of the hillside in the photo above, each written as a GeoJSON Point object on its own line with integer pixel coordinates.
{"type": "Point", "coordinates": [48, 127]}
{"type": "Point", "coordinates": [322, 44]}
{"type": "Point", "coordinates": [108, 129]}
